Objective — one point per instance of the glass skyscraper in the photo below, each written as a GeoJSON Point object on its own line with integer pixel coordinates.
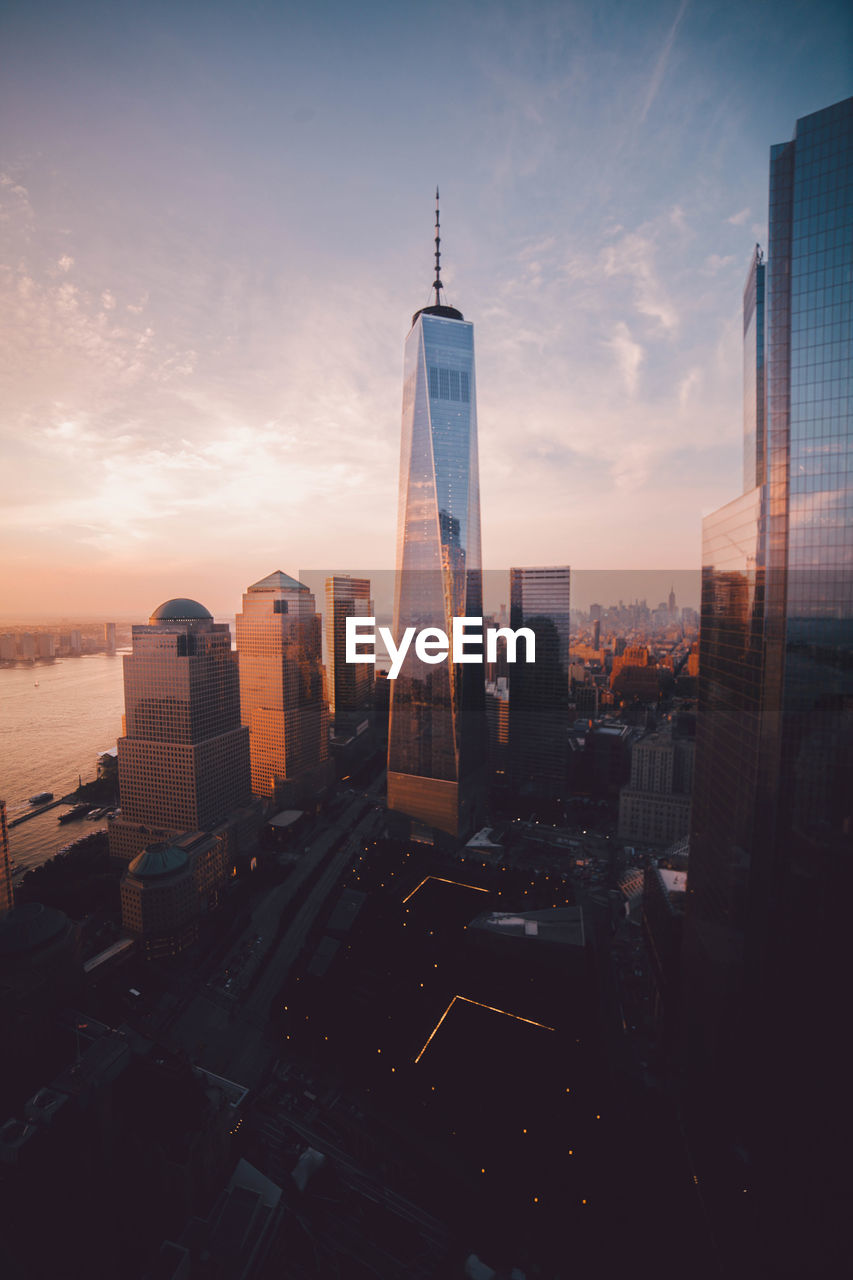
{"type": "Point", "coordinates": [772, 827]}
{"type": "Point", "coordinates": [436, 738]}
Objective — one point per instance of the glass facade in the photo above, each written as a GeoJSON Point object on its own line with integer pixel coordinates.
{"type": "Point", "coordinates": [539, 692]}
{"type": "Point", "coordinates": [772, 831]}
{"type": "Point", "coordinates": [754, 426]}
{"type": "Point", "coordinates": [183, 762]}
{"type": "Point", "coordinates": [436, 737]}
{"type": "Point", "coordinates": [282, 683]}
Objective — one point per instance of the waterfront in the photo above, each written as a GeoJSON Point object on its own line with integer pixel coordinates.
{"type": "Point", "coordinates": [55, 719]}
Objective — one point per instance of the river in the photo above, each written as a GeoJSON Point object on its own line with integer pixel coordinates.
{"type": "Point", "coordinates": [56, 718]}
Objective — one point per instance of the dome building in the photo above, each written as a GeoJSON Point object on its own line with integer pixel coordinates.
{"type": "Point", "coordinates": [183, 762]}
{"type": "Point", "coordinates": [159, 903]}
{"type": "Point", "coordinates": [168, 888]}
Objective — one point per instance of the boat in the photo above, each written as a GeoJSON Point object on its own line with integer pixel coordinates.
{"type": "Point", "coordinates": [76, 812]}
{"type": "Point", "coordinates": [41, 797]}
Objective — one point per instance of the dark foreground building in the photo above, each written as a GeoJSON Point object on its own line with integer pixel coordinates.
{"type": "Point", "coordinates": [772, 824]}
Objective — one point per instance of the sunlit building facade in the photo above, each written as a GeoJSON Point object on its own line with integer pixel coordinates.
{"type": "Point", "coordinates": [183, 762]}
{"type": "Point", "coordinates": [436, 739]}
{"type": "Point", "coordinates": [283, 694]}
{"type": "Point", "coordinates": [772, 825]}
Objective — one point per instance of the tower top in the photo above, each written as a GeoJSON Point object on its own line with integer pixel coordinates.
{"type": "Point", "coordinates": [437, 285]}
{"type": "Point", "coordinates": [438, 308]}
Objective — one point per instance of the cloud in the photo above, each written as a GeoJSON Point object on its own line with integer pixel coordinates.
{"type": "Point", "coordinates": [686, 387]}
{"type": "Point", "coordinates": [661, 64]}
{"type": "Point", "coordinates": [629, 356]}
{"type": "Point", "coordinates": [715, 262]}
{"type": "Point", "coordinates": [738, 219]}
{"type": "Point", "coordinates": [66, 262]}
{"type": "Point", "coordinates": [634, 256]}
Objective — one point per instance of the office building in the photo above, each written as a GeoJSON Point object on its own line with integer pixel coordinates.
{"type": "Point", "coordinates": [283, 690]}
{"type": "Point", "coordinates": [350, 683]}
{"type": "Point", "coordinates": [769, 877]}
{"type": "Point", "coordinates": [539, 691]}
{"type": "Point", "coordinates": [168, 887]}
{"type": "Point", "coordinates": [654, 806]}
{"type": "Point", "coordinates": [436, 739]}
{"type": "Point", "coordinates": [110, 637]}
{"type": "Point", "coordinates": [183, 762]}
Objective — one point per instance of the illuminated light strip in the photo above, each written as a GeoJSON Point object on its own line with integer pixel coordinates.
{"type": "Point", "coordinates": [443, 880]}
{"type": "Point", "coordinates": [467, 1000]}
{"type": "Point", "coordinates": [435, 1028]}
{"type": "Point", "coordinates": [506, 1013]}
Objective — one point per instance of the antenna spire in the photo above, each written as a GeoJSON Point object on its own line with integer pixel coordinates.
{"type": "Point", "coordinates": [437, 285]}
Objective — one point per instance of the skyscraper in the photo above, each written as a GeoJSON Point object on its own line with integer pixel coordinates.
{"type": "Point", "coordinates": [437, 723]}
{"type": "Point", "coordinates": [183, 762]}
{"type": "Point", "coordinates": [350, 683]}
{"type": "Point", "coordinates": [539, 692]}
{"type": "Point", "coordinates": [772, 824]}
{"type": "Point", "coordinates": [283, 689]}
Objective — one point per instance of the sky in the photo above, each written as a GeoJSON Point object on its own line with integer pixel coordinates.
{"type": "Point", "coordinates": [216, 223]}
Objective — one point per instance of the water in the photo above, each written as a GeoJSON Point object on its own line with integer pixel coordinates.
{"type": "Point", "coordinates": [55, 720]}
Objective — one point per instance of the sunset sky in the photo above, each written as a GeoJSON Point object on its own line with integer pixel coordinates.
{"type": "Point", "coordinates": [216, 222]}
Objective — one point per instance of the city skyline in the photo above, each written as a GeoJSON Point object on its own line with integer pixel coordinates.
{"type": "Point", "coordinates": [209, 284]}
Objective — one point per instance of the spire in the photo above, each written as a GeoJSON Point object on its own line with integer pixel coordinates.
{"type": "Point", "coordinates": [438, 308]}
{"type": "Point", "coordinates": [437, 285]}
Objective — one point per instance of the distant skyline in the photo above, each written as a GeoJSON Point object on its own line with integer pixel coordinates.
{"type": "Point", "coordinates": [215, 225]}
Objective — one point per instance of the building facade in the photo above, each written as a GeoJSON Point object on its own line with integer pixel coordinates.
{"type": "Point", "coordinates": [540, 600]}
{"type": "Point", "coordinates": [436, 736]}
{"type": "Point", "coordinates": [654, 807]}
{"type": "Point", "coordinates": [283, 689]}
{"type": "Point", "coordinates": [772, 825]}
{"type": "Point", "coordinates": [167, 889]}
{"type": "Point", "coordinates": [350, 683]}
{"type": "Point", "coordinates": [183, 762]}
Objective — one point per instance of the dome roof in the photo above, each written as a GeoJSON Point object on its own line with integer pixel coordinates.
{"type": "Point", "coordinates": [29, 926]}
{"type": "Point", "coordinates": [158, 860]}
{"type": "Point", "coordinates": [180, 610]}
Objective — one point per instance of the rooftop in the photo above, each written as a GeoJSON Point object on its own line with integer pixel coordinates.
{"type": "Point", "coordinates": [158, 860]}
{"type": "Point", "coordinates": [278, 581]}
{"type": "Point", "coordinates": [180, 609]}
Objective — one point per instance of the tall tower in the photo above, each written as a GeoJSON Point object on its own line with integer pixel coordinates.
{"type": "Point", "coordinates": [769, 877]}
{"type": "Point", "coordinates": [283, 689]}
{"type": "Point", "coordinates": [436, 732]}
{"type": "Point", "coordinates": [183, 762]}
